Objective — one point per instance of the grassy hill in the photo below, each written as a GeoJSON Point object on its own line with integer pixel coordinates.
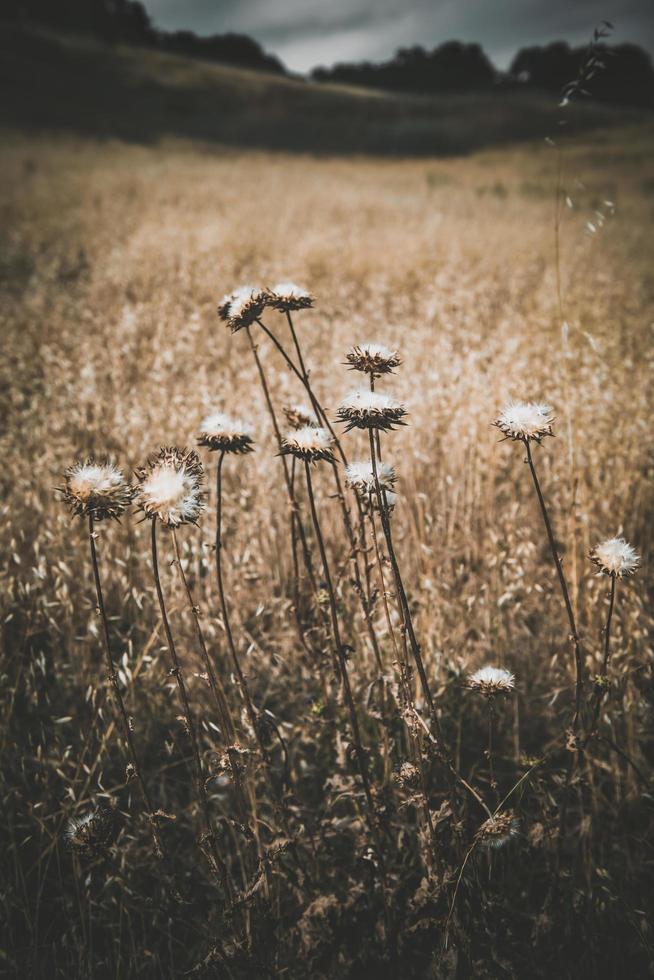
{"type": "Point", "coordinates": [78, 86]}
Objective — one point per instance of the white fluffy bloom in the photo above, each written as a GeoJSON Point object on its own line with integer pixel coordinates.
{"type": "Point", "coordinates": [365, 409]}
{"type": "Point", "coordinates": [171, 487]}
{"type": "Point", "coordinates": [242, 307]}
{"type": "Point", "coordinates": [288, 296]}
{"type": "Point", "coordinates": [96, 489]}
{"type": "Point", "coordinates": [492, 680]}
{"type": "Point", "coordinates": [309, 443]}
{"type": "Point", "coordinates": [221, 432]}
{"type": "Point", "coordinates": [373, 358]}
{"type": "Point", "coordinates": [616, 557]}
{"type": "Point", "coordinates": [360, 476]}
{"type": "Point", "coordinates": [299, 415]}
{"type": "Point", "coordinates": [525, 421]}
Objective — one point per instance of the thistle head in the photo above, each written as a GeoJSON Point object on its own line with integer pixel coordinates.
{"type": "Point", "coordinates": [365, 409]}
{"type": "Point", "coordinates": [242, 307]}
{"type": "Point", "coordinates": [171, 486]}
{"type": "Point", "coordinates": [498, 830]}
{"type": "Point", "coordinates": [615, 557]}
{"type": "Point", "coordinates": [373, 359]}
{"type": "Point", "coordinates": [300, 415]}
{"type": "Point", "coordinates": [91, 833]}
{"type": "Point", "coordinates": [491, 681]}
{"type": "Point", "coordinates": [361, 478]}
{"type": "Point", "coordinates": [287, 297]}
{"type": "Point", "coordinates": [96, 489]}
{"type": "Point", "coordinates": [311, 443]}
{"type": "Point", "coordinates": [223, 433]}
{"type": "Point", "coordinates": [524, 421]}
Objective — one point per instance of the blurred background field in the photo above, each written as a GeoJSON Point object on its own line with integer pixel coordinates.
{"type": "Point", "coordinates": [114, 252]}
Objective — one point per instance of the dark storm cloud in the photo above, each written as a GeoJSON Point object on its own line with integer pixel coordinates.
{"type": "Point", "coordinates": [305, 33]}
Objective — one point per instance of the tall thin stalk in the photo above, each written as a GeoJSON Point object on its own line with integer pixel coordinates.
{"type": "Point", "coordinates": [599, 696]}
{"type": "Point", "coordinates": [113, 676]}
{"type": "Point", "coordinates": [574, 635]}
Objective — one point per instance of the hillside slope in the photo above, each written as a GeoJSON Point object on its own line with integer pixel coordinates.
{"type": "Point", "coordinates": [76, 85]}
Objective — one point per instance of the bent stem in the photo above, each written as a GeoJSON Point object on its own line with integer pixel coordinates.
{"type": "Point", "coordinates": [217, 864]}
{"type": "Point", "coordinates": [127, 731]}
{"type": "Point", "coordinates": [579, 680]}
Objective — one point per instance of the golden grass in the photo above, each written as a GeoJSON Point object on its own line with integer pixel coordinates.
{"type": "Point", "coordinates": [113, 259]}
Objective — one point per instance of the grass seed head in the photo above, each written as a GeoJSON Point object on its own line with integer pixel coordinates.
{"type": "Point", "coordinates": [524, 421]}
{"type": "Point", "coordinates": [171, 486]}
{"type": "Point", "coordinates": [223, 433]}
{"type": "Point", "coordinates": [311, 443]}
{"type": "Point", "coordinates": [365, 409]}
{"type": "Point", "coordinates": [372, 358]}
{"type": "Point", "coordinates": [96, 489]}
{"type": "Point", "coordinates": [615, 557]}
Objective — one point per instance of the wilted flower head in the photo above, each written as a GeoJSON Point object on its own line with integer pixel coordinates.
{"type": "Point", "coordinates": [525, 420]}
{"type": "Point", "coordinates": [490, 681]}
{"type": "Point", "coordinates": [498, 830]}
{"type": "Point", "coordinates": [365, 409]}
{"type": "Point", "coordinates": [242, 307]}
{"type": "Point", "coordinates": [93, 832]}
{"type": "Point", "coordinates": [615, 557]}
{"type": "Point", "coordinates": [171, 486]}
{"type": "Point", "coordinates": [96, 489]}
{"type": "Point", "coordinates": [288, 297]}
{"type": "Point", "coordinates": [310, 443]}
{"type": "Point", "coordinates": [300, 415]}
{"type": "Point", "coordinates": [220, 432]}
{"type": "Point", "coordinates": [360, 477]}
{"type": "Point", "coordinates": [374, 359]}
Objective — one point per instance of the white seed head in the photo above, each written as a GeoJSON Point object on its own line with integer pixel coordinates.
{"type": "Point", "coordinates": [490, 681]}
{"type": "Point", "coordinates": [288, 296]}
{"type": "Point", "coordinates": [96, 489]}
{"type": "Point", "coordinates": [221, 432]}
{"type": "Point", "coordinates": [525, 421]}
{"type": "Point", "coordinates": [360, 477]}
{"type": "Point", "coordinates": [171, 487]}
{"type": "Point", "coordinates": [92, 832]}
{"type": "Point", "coordinates": [498, 830]}
{"type": "Point", "coordinates": [309, 443]}
{"type": "Point", "coordinates": [365, 409]}
{"type": "Point", "coordinates": [300, 415]}
{"type": "Point", "coordinates": [615, 557]}
{"type": "Point", "coordinates": [372, 358]}
{"type": "Point", "coordinates": [242, 307]}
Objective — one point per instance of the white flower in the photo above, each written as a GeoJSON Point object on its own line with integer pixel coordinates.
{"type": "Point", "coordinates": [171, 487]}
{"type": "Point", "coordinates": [221, 432]}
{"type": "Point", "coordinates": [525, 421]}
{"type": "Point", "coordinates": [492, 680]}
{"type": "Point", "coordinates": [288, 296]}
{"type": "Point", "coordinates": [242, 307]}
{"type": "Point", "coordinates": [372, 358]}
{"type": "Point", "coordinates": [97, 490]}
{"type": "Point", "coordinates": [365, 409]}
{"type": "Point", "coordinates": [360, 477]}
{"type": "Point", "coordinates": [616, 557]}
{"type": "Point", "coordinates": [309, 443]}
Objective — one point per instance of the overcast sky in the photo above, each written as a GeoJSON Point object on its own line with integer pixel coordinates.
{"type": "Point", "coordinates": [306, 33]}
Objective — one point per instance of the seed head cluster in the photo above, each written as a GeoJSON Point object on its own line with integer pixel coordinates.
{"type": "Point", "coordinates": [525, 421]}
{"type": "Point", "coordinates": [242, 307]}
{"type": "Point", "coordinates": [360, 477]}
{"type": "Point", "coordinates": [299, 415]}
{"type": "Point", "coordinates": [310, 443]}
{"type": "Point", "coordinates": [373, 359]}
{"type": "Point", "coordinates": [615, 557]}
{"type": "Point", "coordinates": [287, 297]}
{"type": "Point", "coordinates": [92, 833]}
{"type": "Point", "coordinates": [97, 489]}
{"type": "Point", "coordinates": [171, 487]}
{"type": "Point", "coordinates": [365, 409]}
{"type": "Point", "coordinates": [490, 681]}
{"type": "Point", "coordinates": [225, 434]}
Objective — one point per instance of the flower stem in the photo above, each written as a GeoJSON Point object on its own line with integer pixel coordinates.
{"type": "Point", "coordinates": [605, 663]}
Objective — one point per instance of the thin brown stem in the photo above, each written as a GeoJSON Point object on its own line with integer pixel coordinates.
{"type": "Point", "coordinates": [599, 696]}
{"type": "Point", "coordinates": [127, 730]}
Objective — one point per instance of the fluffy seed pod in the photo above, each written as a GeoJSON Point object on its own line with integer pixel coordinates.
{"type": "Point", "coordinates": [96, 489]}
{"type": "Point", "coordinates": [373, 359]}
{"type": "Point", "coordinates": [524, 421]}
{"type": "Point", "coordinates": [310, 444]}
{"type": "Point", "coordinates": [171, 486]}
{"type": "Point", "coordinates": [615, 557]}
{"type": "Point", "coordinates": [287, 297]}
{"type": "Point", "coordinates": [364, 409]}
{"type": "Point", "coordinates": [491, 681]}
{"type": "Point", "coordinates": [91, 834]}
{"type": "Point", "coordinates": [242, 307]}
{"type": "Point", "coordinates": [222, 433]}
{"type": "Point", "coordinates": [498, 830]}
{"type": "Point", "coordinates": [360, 477]}
{"type": "Point", "coordinates": [299, 416]}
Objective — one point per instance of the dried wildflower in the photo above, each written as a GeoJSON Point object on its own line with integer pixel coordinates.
{"type": "Point", "coordinates": [365, 409]}
{"type": "Point", "coordinates": [300, 415]}
{"type": "Point", "coordinates": [92, 833]}
{"type": "Point", "coordinates": [310, 443]}
{"type": "Point", "coordinates": [490, 681]}
{"type": "Point", "coordinates": [242, 307]}
{"type": "Point", "coordinates": [525, 421]}
{"type": "Point", "coordinates": [407, 776]}
{"type": "Point", "coordinates": [96, 489]}
{"type": "Point", "coordinates": [615, 557]}
{"type": "Point", "coordinates": [171, 486]}
{"type": "Point", "coordinates": [288, 297]}
{"type": "Point", "coordinates": [374, 359]}
{"type": "Point", "coordinates": [360, 477]}
{"type": "Point", "coordinates": [223, 433]}
{"type": "Point", "coordinates": [498, 830]}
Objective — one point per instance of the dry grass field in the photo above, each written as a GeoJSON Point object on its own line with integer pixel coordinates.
{"type": "Point", "coordinates": [113, 260]}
